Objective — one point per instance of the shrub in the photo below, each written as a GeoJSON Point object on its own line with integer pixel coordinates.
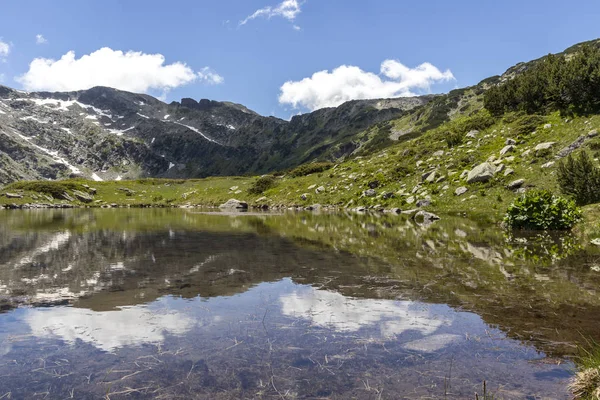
{"type": "Point", "coordinates": [542, 210]}
{"type": "Point", "coordinates": [523, 125]}
{"type": "Point", "coordinates": [580, 179]}
{"type": "Point", "coordinates": [262, 184]}
{"type": "Point", "coordinates": [307, 169]}
{"type": "Point", "coordinates": [454, 139]}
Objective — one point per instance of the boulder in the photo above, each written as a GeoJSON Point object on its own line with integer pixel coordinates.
{"type": "Point", "coordinates": [473, 134]}
{"type": "Point", "coordinates": [510, 142]}
{"type": "Point", "coordinates": [548, 164]}
{"type": "Point", "coordinates": [388, 195]}
{"type": "Point", "coordinates": [460, 191]}
{"type": "Point", "coordinates": [93, 191]}
{"type": "Point", "coordinates": [507, 149]}
{"type": "Point", "coordinates": [83, 197]}
{"type": "Point", "coordinates": [423, 203]}
{"type": "Point", "coordinates": [304, 196]}
{"type": "Point", "coordinates": [320, 189]}
{"type": "Point", "coordinates": [481, 173]}
{"type": "Point", "coordinates": [593, 133]}
{"type": "Point", "coordinates": [596, 242]}
{"type": "Point", "coordinates": [13, 196]}
{"type": "Point", "coordinates": [547, 126]}
{"type": "Point", "coordinates": [425, 217]}
{"type": "Point", "coordinates": [233, 204]}
{"type": "Point", "coordinates": [516, 184]}
{"type": "Point", "coordinates": [509, 171]}
{"type": "Point", "coordinates": [67, 197]}
{"type": "Point", "coordinates": [543, 148]}
{"type": "Point", "coordinates": [439, 153]}
{"type": "Point", "coordinates": [370, 193]}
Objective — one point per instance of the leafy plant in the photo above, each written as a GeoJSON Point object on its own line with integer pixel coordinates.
{"type": "Point", "coordinates": [262, 184]}
{"type": "Point", "coordinates": [542, 210]}
{"type": "Point", "coordinates": [307, 169]}
{"type": "Point", "coordinates": [580, 179]}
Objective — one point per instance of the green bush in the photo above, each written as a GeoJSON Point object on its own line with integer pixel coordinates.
{"type": "Point", "coordinates": [580, 179]}
{"type": "Point", "coordinates": [307, 169]}
{"type": "Point", "coordinates": [523, 125]}
{"type": "Point", "coordinates": [542, 210]}
{"type": "Point", "coordinates": [262, 184]}
{"type": "Point", "coordinates": [454, 139]}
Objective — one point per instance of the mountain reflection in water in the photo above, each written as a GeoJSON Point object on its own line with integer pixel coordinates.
{"type": "Point", "coordinates": [153, 303]}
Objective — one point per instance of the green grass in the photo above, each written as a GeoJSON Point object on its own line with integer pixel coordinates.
{"type": "Point", "coordinates": [397, 169]}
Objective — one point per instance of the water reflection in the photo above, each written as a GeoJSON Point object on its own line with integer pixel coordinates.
{"type": "Point", "coordinates": [109, 330]}
{"type": "Point", "coordinates": [310, 303]}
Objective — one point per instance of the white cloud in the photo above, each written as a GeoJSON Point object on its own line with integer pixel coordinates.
{"type": "Point", "coordinates": [4, 49]}
{"type": "Point", "coordinates": [40, 39]}
{"type": "Point", "coordinates": [132, 71]}
{"type": "Point", "coordinates": [108, 330]}
{"type": "Point", "coordinates": [330, 89]}
{"type": "Point", "coordinates": [210, 76]}
{"type": "Point", "coordinates": [288, 9]}
{"type": "Point", "coordinates": [335, 311]}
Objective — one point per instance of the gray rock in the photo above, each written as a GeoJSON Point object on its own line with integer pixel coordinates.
{"type": "Point", "coordinates": [425, 217]}
{"type": "Point", "coordinates": [370, 193]}
{"type": "Point", "coordinates": [410, 200]}
{"type": "Point", "coordinates": [473, 134]}
{"type": "Point", "coordinates": [431, 177]}
{"type": "Point", "coordinates": [547, 126]}
{"type": "Point", "coordinates": [593, 133]}
{"type": "Point", "coordinates": [507, 149]}
{"type": "Point", "coordinates": [304, 196]}
{"type": "Point", "coordinates": [233, 204]}
{"type": "Point", "coordinates": [521, 190]}
{"type": "Point", "coordinates": [543, 148]}
{"type": "Point", "coordinates": [423, 203]}
{"type": "Point", "coordinates": [320, 189]}
{"type": "Point", "coordinates": [67, 197]}
{"type": "Point", "coordinates": [596, 242]}
{"type": "Point", "coordinates": [13, 196]}
{"type": "Point", "coordinates": [509, 171]}
{"type": "Point", "coordinates": [500, 168]}
{"type": "Point", "coordinates": [516, 184]}
{"type": "Point", "coordinates": [311, 187]}
{"type": "Point", "coordinates": [439, 153]}
{"type": "Point", "coordinates": [388, 195]}
{"type": "Point", "coordinates": [511, 142]}
{"type": "Point", "coordinates": [93, 191]}
{"type": "Point", "coordinates": [548, 164]}
{"type": "Point", "coordinates": [481, 173]}
{"type": "Point", "coordinates": [83, 197]}
{"type": "Point", "coordinates": [460, 191]}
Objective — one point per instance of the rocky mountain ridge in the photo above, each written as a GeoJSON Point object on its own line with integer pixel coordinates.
{"type": "Point", "coordinates": [107, 134]}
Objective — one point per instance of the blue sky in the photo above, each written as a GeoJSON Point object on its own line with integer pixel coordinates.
{"type": "Point", "coordinates": [287, 41]}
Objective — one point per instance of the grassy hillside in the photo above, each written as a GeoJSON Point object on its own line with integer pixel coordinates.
{"type": "Point", "coordinates": [395, 174]}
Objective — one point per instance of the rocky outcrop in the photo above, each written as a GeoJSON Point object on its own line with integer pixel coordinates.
{"type": "Point", "coordinates": [233, 204]}
{"type": "Point", "coordinates": [481, 173]}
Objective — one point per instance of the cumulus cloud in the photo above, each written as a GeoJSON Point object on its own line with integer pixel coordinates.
{"type": "Point", "coordinates": [40, 39]}
{"type": "Point", "coordinates": [209, 76]}
{"type": "Point", "coordinates": [288, 9]}
{"type": "Point", "coordinates": [4, 49]}
{"type": "Point", "coordinates": [132, 71]}
{"type": "Point", "coordinates": [330, 89]}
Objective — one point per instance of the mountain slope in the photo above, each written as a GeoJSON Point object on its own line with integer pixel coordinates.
{"type": "Point", "coordinates": [104, 134]}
